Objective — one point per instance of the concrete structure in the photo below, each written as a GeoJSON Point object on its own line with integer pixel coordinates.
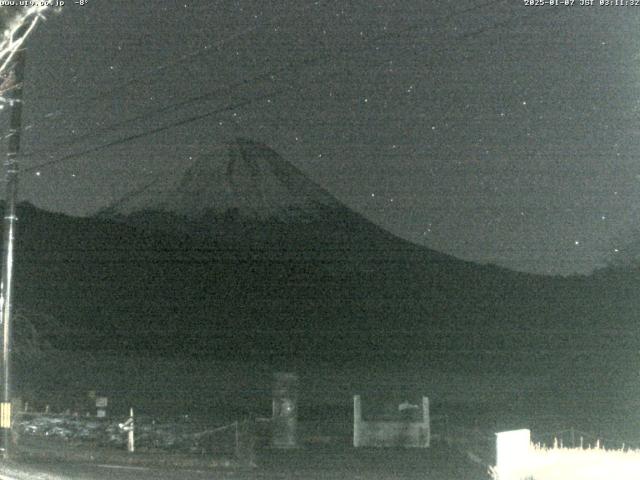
{"type": "Point", "coordinates": [400, 432]}
{"type": "Point", "coordinates": [284, 421]}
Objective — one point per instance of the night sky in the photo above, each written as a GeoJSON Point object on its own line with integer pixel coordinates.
{"type": "Point", "coordinates": [490, 130]}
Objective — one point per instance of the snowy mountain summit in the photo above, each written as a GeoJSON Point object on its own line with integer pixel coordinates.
{"type": "Point", "coordinates": [244, 179]}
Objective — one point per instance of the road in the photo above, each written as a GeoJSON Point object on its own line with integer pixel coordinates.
{"type": "Point", "coordinates": [303, 464]}
{"type": "Point", "coordinates": [85, 471]}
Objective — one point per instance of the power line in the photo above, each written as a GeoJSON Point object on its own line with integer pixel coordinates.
{"type": "Point", "coordinates": [216, 111]}
{"type": "Point", "coordinates": [154, 70]}
{"type": "Point", "coordinates": [152, 132]}
{"type": "Point", "coordinates": [134, 193]}
{"type": "Point", "coordinates": [289, 66]}
{"type": "Point", "coordinates": [145, 76]}
{"type": "Point", "coordinates": [168, 108]}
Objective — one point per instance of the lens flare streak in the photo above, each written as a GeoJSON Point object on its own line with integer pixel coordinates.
{"type": "Point", "coordinates": [14, 37]}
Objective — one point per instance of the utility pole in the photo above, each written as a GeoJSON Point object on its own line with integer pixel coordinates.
{"type": "Point", "coordinates": [13, 86]}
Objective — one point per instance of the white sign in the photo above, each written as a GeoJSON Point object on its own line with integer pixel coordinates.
{"type": "Point", "coordinates": [513, 450]}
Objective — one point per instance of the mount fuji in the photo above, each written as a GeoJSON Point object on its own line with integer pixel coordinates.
{"type": "Point", "coordinates": [246, 258]}
{"type": "Point", "coordinates": [243, 179]}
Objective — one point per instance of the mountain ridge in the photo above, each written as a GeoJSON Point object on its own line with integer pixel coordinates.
{"type": "Point", "coordinates": [327, 285]}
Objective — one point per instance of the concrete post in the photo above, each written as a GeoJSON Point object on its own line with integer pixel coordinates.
{"type": "Point", "coordinates": [426, 420]}
{"type": "Point", "coordinates": [131, 445]}
{"type": "Point", "coordinates": [357, 419]}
